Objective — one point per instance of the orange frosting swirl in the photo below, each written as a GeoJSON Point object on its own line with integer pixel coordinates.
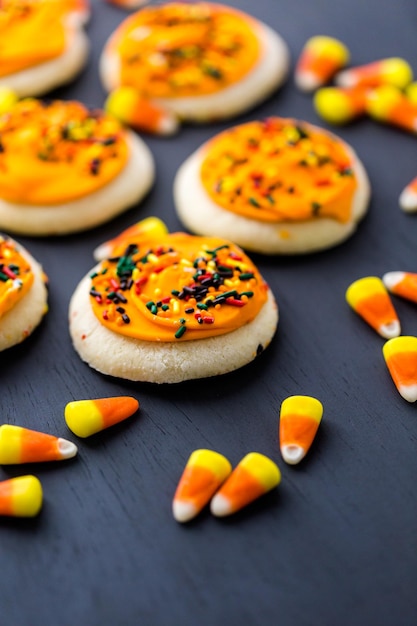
{"type": "Point", "coordinates": [57, 152]}
{"type": "Point", "coordinates": [16, 276]}
{"type": "Point", "coordinates": [181, 49]}
{"type": "Point", "coordinates": [176, 287]}
{"type": "Point", "coordinates": [23, 24]}
{"type": "Point", "coordinates": [279, 170]}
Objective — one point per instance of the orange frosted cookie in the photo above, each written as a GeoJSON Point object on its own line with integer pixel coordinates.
{"type": "Point", "coordinates": [42, 43]}
{"type": "Point", "coordinates": [65, 168]}
{"type": "Point", "coordinates": [23, 294]}
{"type": "Point", "coordinates": [278, 186]}
{"type": "Point", "coordinates": [201, 61]}
{"type": "Point", "coordinates": [170, 307]}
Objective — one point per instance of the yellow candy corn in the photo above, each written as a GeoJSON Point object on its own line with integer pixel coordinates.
{"type": "Point", "coordinates": [320, 58]}
{"type": "Point", "coordinates": [130, 108]}
{"type": "Point", "coordinates": [393, 71]}
{"type": "Point", "coordinates": [339, 106]}
{"type": "Point", "coordinates": [205, 471]}
{"type": "Point", "coordinates": [402, 284]}
{"type": "Point", "coordinates": [408, 196]}
{"type": "Point", "coordinates": [300, 418]}
{"type": "Point", "coordinates": [87, 417]}
{"type": "Point", "coordinates": [21, 497]}
{"type": "Point", "coordinates": [8, 99]}
{"type": "Point", "coordinates": [149, 227]}
{"type": "Point", "coordinates": [369, 298]}
{"type": "Point", "coordinates": [255, 475]}
{"type": "Point", "coordinates": [389, 105]}
{"type": "Point", "coordinates": [21, 445]}
{"type": "Point", "coordinates": [400, 354]}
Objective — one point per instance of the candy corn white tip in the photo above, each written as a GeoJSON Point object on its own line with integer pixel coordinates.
{"type": "Point", "coordinates": [391, 330]}
{"type": "Point", "coordinates": [408, 200]}
{"type": "Point", "coordinates": [345, 79]}
{"type": "Point", "coordinates": [292, 454]}
{"type": "Point", "coordinates": [67, 449]}
{"type": "Point", "coordinates": [408, 392]}
{"type": "Point", "coordinates": [392, 279]}
{"type": "Point", "coordinates": [306, 81]}
{"type": "Point", "coordinates": [168, 125]}
{"type": "Point", "coordinates": [220, 506]}
{"type": "Point", "coordinates": [184, 511]}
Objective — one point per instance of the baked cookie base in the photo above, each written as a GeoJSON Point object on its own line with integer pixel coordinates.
{"type": "Point", "coordinates": [124, 191]}
{"type": "Point", "coordinates": [172, 362]}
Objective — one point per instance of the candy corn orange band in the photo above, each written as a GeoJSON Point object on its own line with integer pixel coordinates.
{"type": "Point", "coordinates": [57, 152]}
{"type": "Point", "coordinates": [16, 276]}
{"type": "Point", "coordinates": [279, 170]}
{"type": "Point", "coordinates": [185, 49]}
{"type": "Point", "coordinates": [176, 287]}
{"type": "Point", "coordinates": [23, 24]}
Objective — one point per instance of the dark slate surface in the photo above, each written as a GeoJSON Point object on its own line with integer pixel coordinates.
{"type": "Point", "coordinates": [336, 544]}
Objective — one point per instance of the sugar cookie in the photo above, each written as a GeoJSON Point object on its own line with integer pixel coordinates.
{"type": "Point", "coordinates": [23, 294]}
{"type": "Point", "coordinates": [43, 44]}
{"type": "Point", "coordinates": [65, 168]}
{"type": "Point", "coordinates": [165, 308]}
{"type": "Point", "coordinates": [278, 186]}
{"type": "Point", "coordinates": [201, 61]}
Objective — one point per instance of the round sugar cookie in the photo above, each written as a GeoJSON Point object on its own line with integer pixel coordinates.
{"type": "Point", "coordinates": [165, 308]}
{"type": "Point", "coordinates": [65, 168]}
{"type": "Point", "coordinates": [278, 186]}
{"type": "Point", "coordinates": [23, 293]}
{"type": "Point", "coordinates": [43, 44]}
{"type": "Point", "coordinates": [201, 61]}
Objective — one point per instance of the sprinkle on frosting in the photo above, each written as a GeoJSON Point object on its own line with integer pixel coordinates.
{"type": "Point", "coordinates": [279, 170]}
{"type": "Point", "coordinates": [176, 287]}
{"type": "Point", "coordinates": [56, 152]}
{"type": "Point", "coordinates": [180, 49]}
{"type": "Point", "coordinates": [16, 276]}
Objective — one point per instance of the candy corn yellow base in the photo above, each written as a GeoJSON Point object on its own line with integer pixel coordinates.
{"type": "Point", "coordinates": [20, 321]}
{"type": "Point", "coordinates": [128, 188]}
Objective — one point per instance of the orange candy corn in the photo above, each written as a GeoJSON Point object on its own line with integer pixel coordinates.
{"type": "Point", "coordinates": [339, 106]}
{"type": "Point", "coordinates": [389, 105]}
{"type": "Point", "coordinates": [400, 354]}
{"type": "Point", "coordinates": [130, 108]}
{"type": "Point", "coordinates": [319, 60]}
{"type": "Point", "coordinates": [87, 417]}
{"type": "Point", "coordinates": [408, 197]}
{"type": "Point", "coordinates": [205, 471]}
{"type": "Point", "coordinates": [393, 71]}
{"type": "Point", "coordinates": [255, 475]}
{"type": "Point", "coordinates": [300, 418]}
{"type": "Point", "coordinates": [402, 284]}
{"type": "Point", "coordinates": [21, 497]}
{"type": "Point", "coordinates": [369, 298]}
{"type": "Point", "coordinates": [21, 445]}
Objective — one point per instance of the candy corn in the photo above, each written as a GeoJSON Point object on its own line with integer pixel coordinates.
{"type": "Point", "coordinates": [389, 105]}
{"type": "Point", "coordinates": [255, 475]}
{"type": "Point", "coordinates": [20, 497]}
{"type": "Point", "coordinates": [339, 106]}
{"type": "Point", "coordinates": [8, 99]}
{"type": "Point", "coordinates": [319, 60]}
{"type": "Point", "coordinates": [128, 106]}
{"type": "Point", "coordinates": [408, 197]}
{"type": "Point", "coordinates": [87, 417]}
{"type": "Point", "coordinates": [149, 227]}
{"type": "Point", "coordinates": [129, 4]}
{"type": "Point", "coordinates": [369, 298]}
{"type": "Point", "coordinates": [21, 445]}
{"type": "Point", "coordinates": [400, 355]}
{"type": "Point", "coordinates": [205, 471]}
{"type": "Point", "coordinates": [393, 71]}
{"type": "Point", "coordinates": [411, 92]}
{"type": "Point", "coordinates": [402, 284]}
{"type": "Point", "coordinates": [300, 418]}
